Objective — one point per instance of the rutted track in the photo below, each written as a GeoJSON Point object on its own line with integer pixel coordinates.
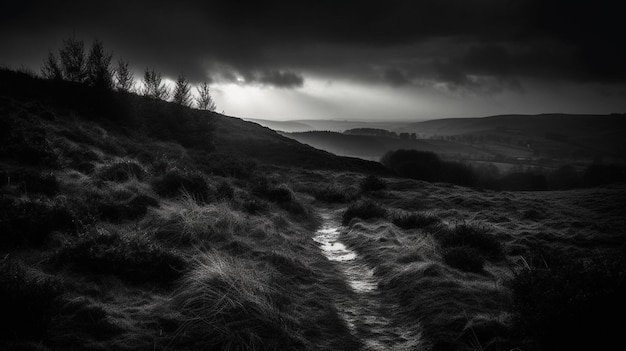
{"type": "Point", "coordinates": [368, 315]}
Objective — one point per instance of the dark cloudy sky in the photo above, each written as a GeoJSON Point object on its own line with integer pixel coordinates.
{"type": "Point", "coordinates": [359, 60]}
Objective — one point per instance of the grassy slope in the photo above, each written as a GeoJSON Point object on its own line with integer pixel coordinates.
{"type": "Point", "coordinates": [117, 237]}
{"type": "Point", "coordinates": [461, 308]}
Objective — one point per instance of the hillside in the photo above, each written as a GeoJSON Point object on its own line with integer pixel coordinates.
{"type": "Point", "coordinates": [133, 224]}
{"type": "Point", "coordinates": [557, 135]}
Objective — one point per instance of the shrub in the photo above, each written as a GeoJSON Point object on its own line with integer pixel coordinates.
{"type": "Point", "coordinates": [174, 182]}
{"type": "Point", "coordinates": [572, 306]}
{"type": "Point", "coordinates": [465, 258]}
{"type": "Point", "coordinates": [130, 256]}
{"type": "Point", "coordinates": [29, 222]}
{"type": "Point", "coordinates": [366, 209]}
{"type": "Point", "coordinates": [27, 303]}
{"type": "Point", "coordinates": [413, 220]}
{"type": "Point", "coordinates": [471, 235]}
{"type": "Point", "coordinates": [225, 165]}
{"type": "Point", "coordinates": [372, 183]}
{"type": "Point", "coordinates": [231, 305]}
{"type": "Point", "coordinates": [122, 171]}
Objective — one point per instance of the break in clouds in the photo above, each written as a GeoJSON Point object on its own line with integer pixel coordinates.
{"type": "Point", "coordinates": [485, 47]}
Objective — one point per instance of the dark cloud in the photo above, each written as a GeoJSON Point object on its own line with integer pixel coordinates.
{"type": "Point", "coordinates": [395, 77]}
{"type": "Point", "coordinates": [268, 41]}
{"type": "Point", "coordinates": [280, 79]}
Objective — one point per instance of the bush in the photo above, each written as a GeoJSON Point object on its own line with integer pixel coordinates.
{"type": "Point", "coordinates": [413, 220]}
{"type": "Point", "coordinates": [372, 183]}
{"type": "Point", "coordinates": [334, 194]}
{"type": "Point", "coordinates": [574, 306]}
{"type": "Point", "coordinates": [471, 235]}
{"type": "Point", "coordinates": [130, 256]}
{"type": "Point", "coordinates": [465, 258]}
{"type": "Point", "coordinates": [231, 305]}
{"type": "Point", "coordinates": [174, 182]}
{"type": "Point", "coordinates": [122, 171]}
{"type": "Point", "coordinates": [225, 165]}
{"type": "Point", "coordinates": [29, 222]}
{"type": "Point", "coordinates": [27, 303]}
{"type": "Point", "coordinates": [366, 209]}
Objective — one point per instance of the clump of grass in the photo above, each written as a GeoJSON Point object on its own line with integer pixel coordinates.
{"type": "Point", "coordinates": [174, 182]}
{"type": "Point", "coordinates": [464, 258]}
{"type": "Point", "coordinates": [27, 302]}
{"type": "Point", "coordinates": [225, 191]}
{"type": "Point", "coordinates": [471, 235]}
{"type": "Point", "coordinates": [280, 194]}
{"type": "Point", "coordinates": [412, 220]}
{"type": "Point", "coordinates": [366, 209]}
{"type": "Point", "coordinates": [335, 194]}
{"type": "Point", "coordinates": [231, 305]}
{"type": "Point", "coordinates": [128, 255]}
{"type": "Point", "coordinates": [28, 222]}
{"type": "Point", "coordinates": [571, 306]}
{"type": "Point", "coordinates": [372, 183]}
{"type": "Point", "coordinates": [199, 224]}
{"type": "Point", "coordinates": [122, 171]}
{"type": "Point", "coordinates": [135, 207]}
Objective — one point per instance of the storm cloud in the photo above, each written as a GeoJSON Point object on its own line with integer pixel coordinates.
{"type": "Point", "coordinates": [477, 47]}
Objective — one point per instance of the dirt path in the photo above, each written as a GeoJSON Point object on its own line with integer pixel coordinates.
{"type": "Point", "coordinates": [367, 314]}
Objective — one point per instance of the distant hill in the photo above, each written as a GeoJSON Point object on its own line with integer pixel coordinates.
{"type": "Point", "coordinates": [295, 126]}
{"type": "Point", "coordinates": [556, 135]}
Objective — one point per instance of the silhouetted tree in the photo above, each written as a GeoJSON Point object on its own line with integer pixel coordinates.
{"type": "Point", "coordinates": [124, 78]}
{"type": "Point", "coordinates": [153, 86]}
{"type": "Point", "coordinates": [182, 92]}
{"type": "Point", "coordinates": [73, 62]}
{"type": "Point", "coordinates": [99, 73]}
{"type": "Point", "coordinates": [51, 68]}
{"type": "Point", "coordinates": [205, 100]}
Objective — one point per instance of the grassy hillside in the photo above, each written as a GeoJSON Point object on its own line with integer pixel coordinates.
{"type": "Point", "coordinates": [133, 224]}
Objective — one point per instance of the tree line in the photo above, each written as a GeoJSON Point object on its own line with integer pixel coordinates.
{"type": "Point", "coordinates": [94, 68]}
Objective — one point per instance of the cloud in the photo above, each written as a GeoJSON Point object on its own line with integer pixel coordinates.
{"type": "Point", "coordinates": [281, 79]}
{"type": "Point", "coordinates": [268, 41]}
{"type": "Point", "coordinates": [395, 77]}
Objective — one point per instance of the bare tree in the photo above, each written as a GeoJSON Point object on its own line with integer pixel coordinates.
{"type": "Point", "coordinates": [99, 73]}
{"type": "Point", "coordinates": [153, 86]}
{"type": "Point", "coordinates": [124, 78]}
{"type": "Point", "coordinates": [204, 100]}
{"type": "Point", "coordinates": [51, 68]}
{"type": "Point", "coordinates": [73, 62]}
{"type": "Point", "coordinates": [182, 92]}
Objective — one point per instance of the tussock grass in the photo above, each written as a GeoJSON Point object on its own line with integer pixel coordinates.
{"type": "Point", "coordinates": [27, 302]}
{"type": "Point", "coordinates": [231, 305]}
{"type": "Point", "coordinates": [365, 209]}
{"type": "Point", "coordinates": [372, 183]}
{"type": "Point", "coordinates": [335, 194]}
{"type": "Point", "coordinates": [176, 181]}
{"type": "Point", "coordinates": [122, 171]}
{"type": "Point", "coordinates": [471, 235]}
{"type": "Point", "coordinates": [188, 222]}
{"type": "Point", "coordinates": [127, 254]}
{"type": "Point", "coordinates": [412, 220]}
{"type": "Point", "coordinates": [581, 297]}
{"type": "Point", "coordinates": [29, 221]}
